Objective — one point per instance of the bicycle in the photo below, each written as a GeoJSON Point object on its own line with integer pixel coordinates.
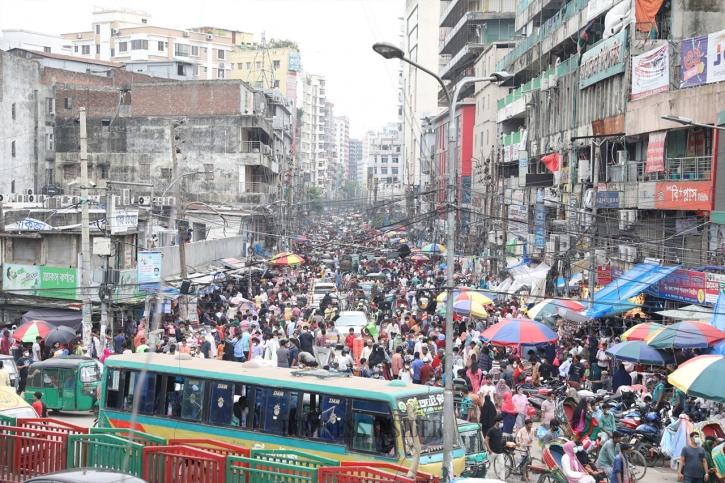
{"type": "Point", "coordinates": [528, 467]}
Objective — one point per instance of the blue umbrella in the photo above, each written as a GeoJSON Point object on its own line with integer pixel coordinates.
{"type": "Point", "coordinates": [639, 351]}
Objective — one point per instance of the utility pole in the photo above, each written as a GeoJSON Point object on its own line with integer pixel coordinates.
{"type": "Point", "coordinates": [85, 235]}
{"type": "Point", "coordinates": [177, 216]}
{"type": "Point", "coordinates": [105, 291]}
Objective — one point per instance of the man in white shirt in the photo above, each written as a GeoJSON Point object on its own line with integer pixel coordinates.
{"type": "Point", "coordinates": [392, 328]}
{"type": "Point", "coordinates": [36, 350]}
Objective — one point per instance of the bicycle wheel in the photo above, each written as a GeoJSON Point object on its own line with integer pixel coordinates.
{"type": "Point", "coordinates": [547, 478]}
{"type": "Point", "coordinates": [639, 462]}
{"type": "Point", "coordinates": [529, 475]}
{"type": "Point", "coordinates": [509, 466]}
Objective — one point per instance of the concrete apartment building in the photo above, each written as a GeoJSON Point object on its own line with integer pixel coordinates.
{"type": "Point", "coordinates": [267, 68]}
{"type": "Point", "coordinates": [355, 150]}
{"type": "Point", "coordinates": [124, 35]}
{"type": "Point", "coordinates": [311, 151]}
{"type": "Point", "coordinates": [386, 159]}
{"type": "Point", "coordinates": [34, 41]}
{"type": "Point", "coordinates": [420, 91]}
{"type": "Point", "coordinates": [342, 144]}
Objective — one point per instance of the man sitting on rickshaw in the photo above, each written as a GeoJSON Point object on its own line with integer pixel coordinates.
{"type": "Point", "coordinates": [590, 467]}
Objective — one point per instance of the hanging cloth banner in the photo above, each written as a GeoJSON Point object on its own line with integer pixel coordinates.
{"type": "Point", "coordinates": [551, 161]}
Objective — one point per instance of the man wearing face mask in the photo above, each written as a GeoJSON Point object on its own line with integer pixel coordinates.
{"type": "Point", "coordinates": [693, 461]}
{"type": "Point", "coordinates": [564, 368]}
{"type": "Point", "coordinates": [583, 458]}
{"type": "Point", "coordinates": [23, 366]}
{"type": "Point", "coordinates": [607, 424]}
{"type": "Point", "coordinates": [494, 445]}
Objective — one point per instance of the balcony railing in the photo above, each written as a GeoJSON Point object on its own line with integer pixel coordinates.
{"type": "Point", "coordinates": [253, 147]}
{"type": "Point", "coordinates": [257, 187]}
{"type": "Point", "coordinates": [692, 168]}
{"type": "Point", "coordinates": [651, 30]}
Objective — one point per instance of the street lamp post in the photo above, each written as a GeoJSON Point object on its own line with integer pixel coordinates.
{"type": "Point", "coordinates": [390, 51]}
{"type": "Point", "coordinates": [689, 122]}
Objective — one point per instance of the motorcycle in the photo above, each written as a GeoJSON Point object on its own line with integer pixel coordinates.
{"type": "Point", "coordinates": [649, 438]}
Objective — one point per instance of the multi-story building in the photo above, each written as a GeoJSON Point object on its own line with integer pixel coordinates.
{"type": "Point", "coordinates": [125, 36]}
{"type": "Point", "coordinates": [466, 28]}
{"type": "Point", "coordinates": [34, 41]}
{"type": "Point", "coordinates": [312, 152]}
{"type": "Point", "coordinates": [342, 144]}
{"type": "Point", "coordinates": [583, 157]}
{"type": "Point", "coordinates": [355, 150]}
{"type": "Point", "coordinates": [386, 159]}
{"type": "Point", "coordinates": [267, 68]}
{"type": "Point", "coordinates": [420, 91]}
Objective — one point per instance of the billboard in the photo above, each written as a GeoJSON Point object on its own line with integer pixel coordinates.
{"type": "Point", "coordinates": [294, 61]}
{"type": "Point", "coordinates": [608, 199]}
{"type": "Point", "coordinates": [540, 225]}
{"type": "Point", "coordinates": [656, 152]}
{"type": "Point", "coordinates": [149, 271]}
{"type": "Point", "coordinates": [519, 219]}
{"type": "Point", "coordinates": [603, 59]}
{"type": "Point", "coordinates": [651, 72]}
{"type": "Point", "coordinates": [683, 286]}
{"type": "Point", "coordinates": [702, 60]}
{"type": "Point", "coordinates": [50, 282]}
{"type": "Point", "coordinates": [683, 195]}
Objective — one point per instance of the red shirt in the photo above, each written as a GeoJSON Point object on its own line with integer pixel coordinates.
{"type": "Point", "coordinates": [425, 371]}
{"type": "Point", "coordinates": [349, 340]}
{"type": "Point", "coordinates": [38, 406]}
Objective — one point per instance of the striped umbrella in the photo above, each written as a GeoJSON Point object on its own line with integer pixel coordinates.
{"type": "Point", "coordinates": [519, 332]}
{"type": "Point", "coordinates": [433, 248]}
{"type": "Point", "coordinates": [639, 351]}
{"type": "Point", "coordinates": [641, 331]}
{"type": "Point", "coordinates": [281, 254]}
{"type": "Point", "coordinates": [696, 376]}
{"type": "Point", "coordinates": [469, 308]}
{"type": "Point", "coordinates": [548, 306]}
{"type": "Point", "coordinates": [419, 258]}
{"type": "Point", "coordinates": [32, 329]}
{"type": "Point", "coordinates": [686, 334]}
{"type": "Point", "coordinates": [290, 259]}
{"type": "Point", "coordinates": [458, 291]}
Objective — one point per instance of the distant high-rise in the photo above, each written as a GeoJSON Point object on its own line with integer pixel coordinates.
{"type": "Point", "coordinates": [356, 156]}
{"type": "Point", "coordinates": [342, 144]}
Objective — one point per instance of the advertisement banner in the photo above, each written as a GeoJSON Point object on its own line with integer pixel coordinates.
{"type": "Point", "coordinates": [684, 195]}
{"type": "Point", "coordinates": [50, 282]}
{"type": "Point", "coordinates": [617, 268]}
{"type": "Point", "coordinates": [608, 199]}
{"type": "Point", "coordinates": [651, 72]}
{"type": "Point", "coordinates": [294, 61]}
{"type": "Point", "coordinates": [656, 153]}
{"type": "Point", "coordinates": [149, 271]}
{"type": "Point", "coordinates": [127, 291]}
{"type": "Point", "coordinates": [540, 226]}
{"type": "Point", "coordinates": [683, 286]}
{"type": "Point", "coordinates": [603, 59]}
{"type": "Point", "coordinates": [604, 275]}
{"type": "Point", "coordinates": [523, 171]}
{"type": "Point", "coordinates": [702, 61]}
{"type": "Point", "coordinates": [714, 284]}
{"type": "Point", "coordinates": [519, 219]}
{"type": "Point", "coordinates": [646, 195]}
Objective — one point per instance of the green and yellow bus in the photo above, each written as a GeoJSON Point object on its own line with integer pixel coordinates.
{"type": "Point", "coordinates": [344, 418]}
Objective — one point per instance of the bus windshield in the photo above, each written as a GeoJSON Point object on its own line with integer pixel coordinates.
{"type": "Point", "coordinates": [429, 423]}
{"type": "Point", "coordinates": [472, 442]}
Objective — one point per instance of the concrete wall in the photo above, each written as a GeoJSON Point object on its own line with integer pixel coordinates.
{"type": "Point", "coordinates": [201, 254]}
{"type": "Point", "coordinates": [692, 18]}
{"type": "Point", "coordinates": [20, 85]}
{"type": "Point", "coordinates": [196, 98]}
{"type": "Point", "coordinates": [701, 104]}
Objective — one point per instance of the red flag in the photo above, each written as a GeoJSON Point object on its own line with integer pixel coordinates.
{"type": "Point", "coordinates": [551, 161]}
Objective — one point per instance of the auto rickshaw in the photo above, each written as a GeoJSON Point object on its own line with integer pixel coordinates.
{"type": "Point", "coordinates": [477, 462]}
{"type": "Point", "coordinates": [67, 383]}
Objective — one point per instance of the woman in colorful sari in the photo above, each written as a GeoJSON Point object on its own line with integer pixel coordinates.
{"type": "Point", "coordinates": [583, 422]}
{"type": "Point", "coordinates": [708, 446]}
{"type": "Point", "coordinates": [572, 468]}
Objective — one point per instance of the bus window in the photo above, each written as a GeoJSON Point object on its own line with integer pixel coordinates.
{"type": "Point", "coordinates": [310, 416]}
{"type": "Point", "coordinates": [277, 411]}
{"type": "Point", "coordinates": [113, 392]}
{"type": "Point", "coordinates": [173, 397]}
{"type": "Point", "coordinates": [332, 418]}
{"type": "Point", "coordinates": [129, 386]}
{"type": "Point", "coordinates": [222, 402]}
{"type": "Point", "coordinates": [362, 437]}
{"type": "Point", "coordinates": [193, 399]}
{"type": "Point", "coordinates": [149, 391]}
{"type": "Point", "coordinates": [241, 405]}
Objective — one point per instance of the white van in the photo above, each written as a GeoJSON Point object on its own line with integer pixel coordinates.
{"type": "Point", "coordinates": [319, 290]}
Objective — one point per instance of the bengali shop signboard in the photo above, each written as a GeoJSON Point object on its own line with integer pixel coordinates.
{"type": "Point", "coordinates": [684, 195]}
{"type": "Point", "coordinates": [604, 275]}
{"type": "Point", "coordinates": [603, 59]}
{"type": "Point", "coordinates": [714, 284]}
{"type": "Point", "coordinates": [32, 280]}
{"type": "Point", "coordinates": [702, 60]}
{"type": "Point", "coordinates": [519, 219]}
{"type": "Point", "coordinates": [656, 152]}
{"type": "Point", "coordinates": [683, 286]}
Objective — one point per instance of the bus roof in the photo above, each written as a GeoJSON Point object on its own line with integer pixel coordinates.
{"type": "Point", "coordinates": [237, 372]}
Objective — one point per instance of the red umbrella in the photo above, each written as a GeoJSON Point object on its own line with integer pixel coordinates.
{"type": "Point", "coordinates": [519, 332]}
{"type": "Point", "coordinates": [32, 329]}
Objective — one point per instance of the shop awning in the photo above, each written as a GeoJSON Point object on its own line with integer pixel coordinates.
{"type": "Point", "coordinates": [67, 318]}
{"type": "Point", "coordinates": [612, 299]}
{"type": "Point", "coordinates": [689, 312]}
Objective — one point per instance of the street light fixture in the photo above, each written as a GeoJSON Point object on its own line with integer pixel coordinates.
{"type": "Point", "coordinates": [390, 51]}
{"type": "Point", "coordinates": [689, 122]}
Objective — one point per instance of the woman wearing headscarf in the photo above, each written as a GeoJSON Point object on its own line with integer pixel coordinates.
{"type": "Point", "coordinates": [474, 375]}
{"type": "Point", "coordinates": [501, 389]}
{"type": "Point", "coordinates": [509, 412]}
{"type": "Point", "coordinates": [572, 393]}
{"type": "Point", "coordinates": [572, 468]}
{"type": "Point", "coordinates": [621, 378]}
{"type": "Point", "coordinates": [484, 360]}
{"type": "Point", "coordinates": [583, 422]}
{"type": "Point", "coordinates": [106, 354]}
{"type": "Point", "coordinates": [578, 417]}
{"type": "Point", "coordinates": [522, 403]}
{"type": "Point", "coordinates": [488, 414]}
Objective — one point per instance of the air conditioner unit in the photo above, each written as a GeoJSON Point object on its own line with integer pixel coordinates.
{"type": "Point", "coordinates": [266, 150]}
{"type": "Point", "coordinates": [20, 198]}
{"type": "Point", "coordinates": [79, 36]}
{"type": "Point", "coordinates": [35, 199]}
{"type": "Point", "coordinates": [28, 192]}
{"type": "Point", "coordinates": [553, 82]}
{"type": "Point", "coordinates": [7, 198]}
{"type": "Point", "coordinates": [54, 202]}
{"type": "Point", "coordinates": [170, 201]}
{"type": "Point", "coordinates": [209, 37]}
{"type": "Point", "coordinates": [621, 157]}
{"type": "Point", "coordinates": [125, 197]}
{"type": "Point", "coordinates": [65, 200]}
{"type": "Point", "coordinates": [630, 254]}
{"type": "Point", "coordinates": [143, 201]}
{"type": "Point", "coordinates": [75, 200]}
{"type": "Point", "coordinates": [94, 198]}
{"type": "Point", "coordinates": [186, 33]}
{"type": "Point", "coordinates": [545, 84]}
{"type": "Point", "coordinates": [158, 200]}
{"type": "Point", "coordinates": [583, 171]}
{"type": "Point", "coordinates": [114, 31]}
{"type": "Point", "coordinates": [563, 243]}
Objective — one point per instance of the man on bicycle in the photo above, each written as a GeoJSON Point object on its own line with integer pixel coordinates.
{"type": "Point", "coordinates": [524, 439]}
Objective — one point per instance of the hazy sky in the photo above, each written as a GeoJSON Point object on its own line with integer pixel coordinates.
{"type": "Point", "coordinates": [335, 38]}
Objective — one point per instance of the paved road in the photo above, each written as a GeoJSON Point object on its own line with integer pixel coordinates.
{"type": "Point", "coordinates": [654, 475]}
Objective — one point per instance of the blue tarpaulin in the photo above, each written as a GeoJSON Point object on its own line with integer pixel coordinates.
{"type": "Point", "coordinates": [718, 315]}
{"type": "Point", "coordinates": [612, 299]}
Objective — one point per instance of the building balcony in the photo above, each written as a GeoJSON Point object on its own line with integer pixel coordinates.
{"type": "Point", "coordinates": [689, 168]}
{"type": "Point", "coordinates": [461, 50]}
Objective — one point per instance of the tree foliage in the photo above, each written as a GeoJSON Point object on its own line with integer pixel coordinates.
{"type": "Point", "coordinates": [349, 189]}
{"type": "Point", "coordinates": [315, 197]}
{"type": "Point", "coordinates": [283, 44]}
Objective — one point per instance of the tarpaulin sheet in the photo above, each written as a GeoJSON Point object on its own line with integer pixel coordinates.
{"type": "Point", "coordinates": [645, 12]}
{"type": "Point", "coordinates": [612, 299]}
{"type": "Point", "coordinates": [68, 318]}
{"type": "Point", "coordinates": [689, 312]}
